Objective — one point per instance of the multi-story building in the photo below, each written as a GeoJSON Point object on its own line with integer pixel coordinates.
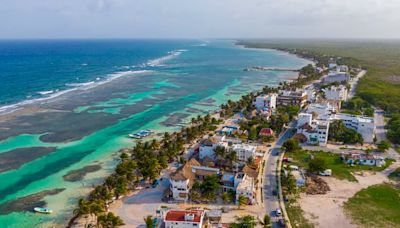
{"type": "Point", "coordinates": [266, 101]}
{"type": "Point", "coordinates": [182, 180]}
{"type": "Point", "coordinates": [244, 152]}
{"type": "Point", "coordinates": [340, 77]}
{"type": "Point", "coordinates": [363, 125]}
{"type": "Point", "coordinates": [184, 218]}
{"type": "Point", "coordinates": [244, 186]}
{"type": "Point", "coordinates": [207, 147]}
{"type": "Point", "coordinates": [289, 97]}
{"type": "Point", "coordinates": [337, 93]}
{"type": "Point", "coordinates": [315, 133]}
{"type": "Point", "coordinates": [322, 111]}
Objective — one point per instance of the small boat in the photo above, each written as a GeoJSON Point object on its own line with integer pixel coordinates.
{"type": "Point", "coordinates": [141, 134]}
{"type": "Point", "coordinates": [43, 210]}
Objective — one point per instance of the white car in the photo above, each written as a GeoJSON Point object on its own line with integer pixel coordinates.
{"type": "Point", "coordinates": [278, 212]}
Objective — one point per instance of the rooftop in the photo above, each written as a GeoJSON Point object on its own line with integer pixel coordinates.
{"type": "Point", "coordinates": [182, 216]}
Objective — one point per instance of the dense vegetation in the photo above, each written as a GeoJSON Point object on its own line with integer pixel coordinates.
{"type": "Point", "coordinates": [375, 206]}
{"type": "Point", "coordinates": [338, 132]}
{"type": "Point", "coordinates": [380, 87]}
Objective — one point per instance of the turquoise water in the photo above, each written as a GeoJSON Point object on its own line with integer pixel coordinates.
{"type": "Point", "coordinates": [87, 126]}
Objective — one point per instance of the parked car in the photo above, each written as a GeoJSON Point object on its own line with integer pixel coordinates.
{"type": "Point", "coordinates": [326, 172]}
{"type": "Point", "coordinates": [274, 192]}
{"type": "Point", "coordinates": [278, 212]}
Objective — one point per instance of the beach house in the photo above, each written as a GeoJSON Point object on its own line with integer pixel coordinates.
{"type": "Point", "coordinates": [184, 218]}
{"type": "Point", "coordinates": [290, 97]}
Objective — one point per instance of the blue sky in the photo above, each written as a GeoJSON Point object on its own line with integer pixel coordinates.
{"type": "Point", "coordinates": [199, 18]}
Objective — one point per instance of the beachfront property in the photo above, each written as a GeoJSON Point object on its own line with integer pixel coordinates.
{"type": "Point", "coordinates": [184, 218]}
{"type": "Point", "coordinates": [207, 147]}
{"type": "Point", "coordinates": [266, 101]}
{"type": "Point", "coordinates": [313, 132]}
{"type": "Point", "coordinates": [244, 186]}
{"type": "Point", "coordinates": [336, 93]}
{"type": "Point", "coordinates": [182, 180]}
{"type": "Point", "coordinates": [363, 159]}
{"type": "Point", "coordinates": [244, 152]}
{"type": "Point", "coordinates": [363, 125]}
{"type": "Point", "coordinates": [289, 97]}
{"type": "Point", "coordinates": [311, 93]}
{"type": "Point", "coordinates": [338, 77]}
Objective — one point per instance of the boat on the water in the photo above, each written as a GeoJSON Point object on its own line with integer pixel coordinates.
{"type": "Point", "coordinates": [43, 210]}
{"type": "Point", "coordinates": [141, 134]}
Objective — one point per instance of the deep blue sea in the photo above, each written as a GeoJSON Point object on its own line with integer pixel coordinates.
{"type": "Point", "coordinates": [77, 100]}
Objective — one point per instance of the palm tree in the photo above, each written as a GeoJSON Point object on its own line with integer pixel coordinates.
{"type": "Point", "coordinates": [247, 221]}
{"type": "Point", "coordinates": [83, 209]}
{"type": "Point", "coordinates": [148, 220]}
{"type": "Point", "coordinates": [266, 222]}
{"type": "Point", "coordinates": [109, 220]}
{"type": "Point", "coordinates": [220, 151]}
{"type": "Point", "coordinates": [242, 200]}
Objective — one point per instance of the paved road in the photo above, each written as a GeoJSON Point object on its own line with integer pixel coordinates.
{"type": "Point", "coordinates": [354, 82]}
{"type": "Point", "coordinates": [380, 132]}
{"type": "Point", "coordinates": [271, 202]}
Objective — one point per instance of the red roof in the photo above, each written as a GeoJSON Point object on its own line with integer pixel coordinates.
{"type": "Point", "coordinates": [266, 132]}
{"type": "Point", "coordinates": [179, 216]}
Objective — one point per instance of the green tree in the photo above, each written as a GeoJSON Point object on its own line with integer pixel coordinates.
{"type": "Point", "coordinates": [148, 220]}
{"type": "Point", "coordinates": [246, 221]}
{"type": "Point", "coordinates": [291, 145]}
{"type": "Point", "coordinates": [209, 187]}
{"type": "Point", "coordinates": [383, 145]}
{"type": "Point", "coordinates": [317, 165]}
{"type": "Point", "coordinates": [266, 221]}
{"type": "Point", "coordinates": [242, 200]}
{"type": "Point", "coordinates": [109, 220]}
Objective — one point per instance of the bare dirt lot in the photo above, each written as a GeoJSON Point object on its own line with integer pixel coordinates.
{"type": "Point", "coordinates": [326, 210]}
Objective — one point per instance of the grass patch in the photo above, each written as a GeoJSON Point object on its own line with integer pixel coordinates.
{"type": "Point", "coordinates": [375, 206]}
{"type": "Point", "coordinates": [296, 216]}
{"type": "Point", "coordinates": [395, 175]}
{"type": "Point", "coordinates": [340, 170]}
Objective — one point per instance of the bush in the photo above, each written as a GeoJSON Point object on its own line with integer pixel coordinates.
{"type": "Point", "coordinates": [291, 145]}
{"type": "Point", "coordinates": [317, 165]}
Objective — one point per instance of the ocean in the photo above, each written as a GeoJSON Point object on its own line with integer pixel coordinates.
{"type": "Point", "coordinates": [68, 106]}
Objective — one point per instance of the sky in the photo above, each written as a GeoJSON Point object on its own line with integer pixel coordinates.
{"type": "Point", "coordinates": [27, 19]}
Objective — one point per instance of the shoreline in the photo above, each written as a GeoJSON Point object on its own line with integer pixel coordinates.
{"type": "Point", "coordinates": [112, 207]}
{"type": "Point", "coordinates": [113, 151]}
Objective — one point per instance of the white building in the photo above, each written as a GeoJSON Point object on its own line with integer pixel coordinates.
{"type": "Point", "coordinates": [339, 77]}
{"type": "Point", "coordinates": [207, 147]}
{"type": "Point", "coordinates": [342, 68]}
{"type": "Point", "coordinates": [311, 93]}
{"type": "Point", "coordinates": [266, 101]}
{"type": "Point", "coordinates": [184, 218]}
{"type": "Point", "coordinates": [363, 125]}
{"type": "Point", "coordinates": [244, 152]}
{"type": "Point", "coordinates": [304, 118]}
{"type": "Point", "coordinates": [289, 97]}
{"type": "Point", "coordinates": [182, 180]}
{"type": "Point", "coordinates": [244, 186]}
{"type": "Point", "coordinates": [322, 111]}
{"type": "Point", "coordinates": [337, 93]}
{"type": "Point", "coordinates": [314, 132]}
